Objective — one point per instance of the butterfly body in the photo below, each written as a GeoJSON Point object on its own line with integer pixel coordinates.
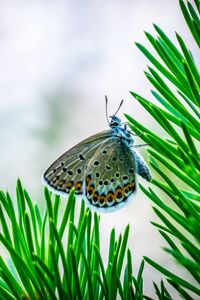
{"type": "Point", "coordinates": [102, 168]}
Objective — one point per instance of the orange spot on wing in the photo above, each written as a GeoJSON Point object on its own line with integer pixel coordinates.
{"type": "Point", "coordinates": [88, 180]}
{"type": "Point", "coordinates": [129, 187]}
{"type": "Point", "coordinates": [90, 189]}
{"type": "Point", "coordinates": [110, 197]}
{"type": "Point", "coordinates": [69, 184]}
{"type": "Point", "coordinates": [119, 191]}
{"type": "Point", "coordinates": [102, 199]}
{"type": "Point", "coordinates": [78, 185]}
{"type": "Point", "coordinates": [96, 196]}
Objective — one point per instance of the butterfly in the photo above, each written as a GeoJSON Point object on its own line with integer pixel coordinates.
{"type": "Point", "coordinates": [102, 168]}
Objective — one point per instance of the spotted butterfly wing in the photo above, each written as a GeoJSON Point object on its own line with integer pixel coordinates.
{"type": "Point", "coordinates": [110, 176]}
{"type": "Point", "coordinates": [69, 169]}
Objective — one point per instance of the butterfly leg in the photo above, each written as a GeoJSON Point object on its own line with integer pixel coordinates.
{"type": "Point", "coordinates": [141, 145]}
{"type": "Point", "coordinates": [141, 167]}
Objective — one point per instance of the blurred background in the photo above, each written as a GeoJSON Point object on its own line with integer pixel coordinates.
{"type": "Point", "coordinates": [57, 61]}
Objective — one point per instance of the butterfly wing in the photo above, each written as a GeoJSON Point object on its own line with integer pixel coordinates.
{"type": "Point", "coordinates": [110, 176]}
{"type": "Point", "coordinates": [69, 169]}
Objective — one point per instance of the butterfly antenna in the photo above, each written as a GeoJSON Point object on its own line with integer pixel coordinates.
{"type": "Point", "coordinates": [107, 109]}
{"type": "Point", "coordinates": [119, 107]}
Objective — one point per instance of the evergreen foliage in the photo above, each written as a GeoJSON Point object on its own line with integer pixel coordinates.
{"type": "Point", "coordinates": [176, 87]}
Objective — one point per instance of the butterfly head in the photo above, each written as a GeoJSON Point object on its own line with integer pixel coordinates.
{"type": "Point", "coordinates": [120, 129]}
{"type": "Point", "coordinates": [118, 126]}
{"type": "Point", "coordinates": [115, 122]}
